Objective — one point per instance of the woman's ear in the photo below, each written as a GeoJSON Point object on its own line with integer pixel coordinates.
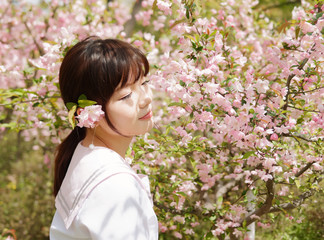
{"type": "Point", "coordinates": [78, 111]}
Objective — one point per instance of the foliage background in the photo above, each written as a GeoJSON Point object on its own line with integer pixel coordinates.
{"type": "Point", "coordinates": [27, 205]}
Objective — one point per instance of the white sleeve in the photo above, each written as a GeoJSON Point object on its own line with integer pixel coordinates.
{"type": "Point", "coordinates": [117, 210]}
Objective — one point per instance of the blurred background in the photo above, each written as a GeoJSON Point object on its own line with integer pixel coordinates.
{"type": "Point", "coordinates": [26, 172]}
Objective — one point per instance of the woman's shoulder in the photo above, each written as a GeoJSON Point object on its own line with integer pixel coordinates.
{"type": "Point", "coordinates": [101, 155]}
{"type": "Point", "coordinates": [118, 202]}
{"type": "Point", "coordinates": [88, 169]}
{"type": "Point", "coordinates": [119, 186]}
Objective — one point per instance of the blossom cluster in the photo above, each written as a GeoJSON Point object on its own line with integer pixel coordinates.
{"type": "Point", "coordinates": [239, 106]}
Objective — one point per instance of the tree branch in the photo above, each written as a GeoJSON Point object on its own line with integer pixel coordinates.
{"type": "Point", "coordinates": [290, 77]}
{"type": "Point", "coordinates": [264, 208]}
{"type": "Point", "coordinates": [294, 204]}
{"type": "Point", "coordinates": [304, 169]}
{"type": "Point", "coordinates": [130, 24]}
{"type": "Point", "coordinates": [40, 49]}
{"type": "Point", "coordinates": [5, 11]}
{"type": "Point", "coordinates": [29, 101]}
{"type": "Point", "coordinates": [313, 90]}
{"type": "Point", "coordinates": [296, 136]}
{"type": "Point", "coordinates": [222, 190]}
{"type": "Point", "coordinates": [297, 202]}
{"type": "Point", "coordinates": [303, 109]}
{"type": "Point", "coordinates": [279, 5]}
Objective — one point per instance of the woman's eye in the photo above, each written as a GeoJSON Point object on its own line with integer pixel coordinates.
{"type": "Point", "coordinates": [146, 82]}
{"type": "Point", "coordinates": [127, 96]}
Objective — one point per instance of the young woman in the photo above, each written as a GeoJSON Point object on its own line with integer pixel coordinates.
{"type": "Point", "coordinates": [98, 195]}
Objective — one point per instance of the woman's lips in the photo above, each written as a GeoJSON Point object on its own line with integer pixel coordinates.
{"type": "Point", "coordinates": [147, 116]}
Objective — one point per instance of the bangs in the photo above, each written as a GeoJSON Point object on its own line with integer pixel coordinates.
{"type": "Point", "coordinates": [137, 69]}
{"type": "Point", "coordinates": [130, 64]}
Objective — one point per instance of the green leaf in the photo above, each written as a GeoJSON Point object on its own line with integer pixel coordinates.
{"type": "Point", "coordinates": [297, 30]}
{"type": "Point", "coordinates": [182, 83]}
{"type": "Point", "coordinates": [190, 37]}
{"type": "Point", "coordinates": [11, 125]}
{"type": "Point", "coordinates": [319, 15]}
{"type": "Point", "coordinates": [70, 105]}
{"type": "Point", "coordinates": [85, 103]}
{"type": "Point", "coordinates": [220, 200]}
{"type": "Point", "coordinates": [176, 198]}
{"type": "Point", "coordinates": [71, 116]}
{"type": "Point", "coordinates": [187, 12]}
{"type": "Point", "coordinates": [300, 120]}
{"type": "Point", "coordinates": [82, 97]}
{"type": "Point", "coordinates": [285, 46]}
{"type": "Point", "coordinates": [35, 104]}
{"type": "Point", "coordinates": [28, 71]}
{"type": "Point", "coordinates": [167, 130]}
{"type": "Point", "coordinates": [297, 181]}
{"type": "Point", "coordinates": [182, 194]}
{"type": "Point", "coordinates": [248, 154]}
{"type": "Point", "coordinates": [198, 5]}
{"type": "Point", "coordinates": [177, 104]}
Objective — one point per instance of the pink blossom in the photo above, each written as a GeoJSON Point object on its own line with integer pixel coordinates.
{"type": "Point", "coordinates": [181, 131]}
{"type": "Point", "coordinates": [223, 105]}
{"type": "Point", "coordinates": [164, 6]}
{"type": "Point", "coordinates": [145, 16]}
{"type": "Point", "coordinates": [138, 43]}
{"type": "Point", "coordinates": [194, 224]}
{"type": "Point", "coordinates": [283, 191]}
{"type": "Point", "coordinates": [307, 27]}
{"type": "Point", "coordinates": [238, 210]}
{"type": "Point", "coordinates": [191, 126]}
{"type": "Point", "coordinates": [269, 162]}
{"type": "Point", "coordinates": [177, 235]}
{"type": "Point", "coordinates": [320, 24]}
{"type": "Point", "coordinates": [291, 122]}
{"type": "Point", "coordinates": [261, 86]}
{"type": "Point", "coordinates": [217, 232]}
{"type": "Point", "coordinates": [47, 160]}
{"type": "Point", "coordinates": [89, 116]}
{"type": "Point", "coordinates": [298, 13]}
{"type": "Point", "coordinates": [190, 231]}
{"type": "Point", "coordinates": [237, 233]}
{"type": "Point", "coordinates": [204, 116]}
{"type": "Point", "coordinates": [162, 228]}
{"type": "Point", "coordinates": [300, 220]}
{"type": "Point", "coordinates": [263, 225]}
{"type": "Point", "coordinates": [317, 166]}
{"type": "Point", "coordinates": [274, 137]}
{"type": "Point", "coordinates": [179, 219]}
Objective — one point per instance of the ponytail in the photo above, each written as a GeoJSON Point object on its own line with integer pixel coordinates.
{"type": "Point", "coordinates": [64, 155]}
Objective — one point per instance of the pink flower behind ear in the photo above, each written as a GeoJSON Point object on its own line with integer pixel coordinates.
{"type": "Point", "coordinates": [89, 116]}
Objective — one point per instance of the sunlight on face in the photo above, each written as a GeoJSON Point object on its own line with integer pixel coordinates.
{"type": "Point", "coordinates": [130, 108]}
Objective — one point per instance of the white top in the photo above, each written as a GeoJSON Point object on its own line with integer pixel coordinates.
{"type": "Point", "coordinates": [101, 197]}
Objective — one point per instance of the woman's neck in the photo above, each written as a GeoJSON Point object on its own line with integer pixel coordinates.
{"type": "Point", "coordinates": [117, 143]}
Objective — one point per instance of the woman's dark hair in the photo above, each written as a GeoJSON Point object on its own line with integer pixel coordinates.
{"type": "Point", "coordinates": [94, 67]}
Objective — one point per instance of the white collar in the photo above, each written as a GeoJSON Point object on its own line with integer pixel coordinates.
{"type": "Point", "coordinates": [83, 176]}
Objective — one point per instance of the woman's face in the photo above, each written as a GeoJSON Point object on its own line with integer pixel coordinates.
{"type": "Point", "coordinates": [130, 109]}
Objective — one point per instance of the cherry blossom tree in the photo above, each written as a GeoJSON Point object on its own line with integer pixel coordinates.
{"type": "Point", "coordinates": [239, 106]}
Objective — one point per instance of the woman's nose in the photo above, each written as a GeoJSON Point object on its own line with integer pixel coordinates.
{"type": "Point", "coordinates": [146, 96]}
